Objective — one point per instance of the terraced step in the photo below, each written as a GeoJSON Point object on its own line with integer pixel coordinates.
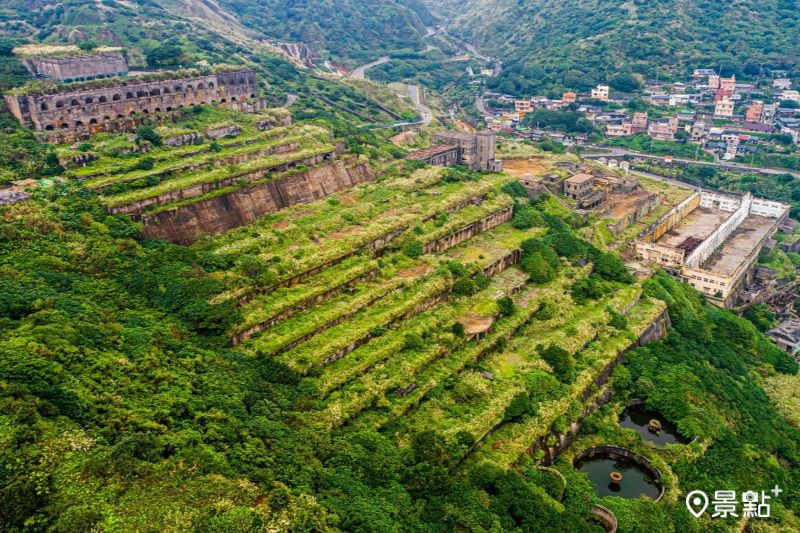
{"type": "Point", "coordinates": [451, 414]}
{"type": "Point", "coordinates": [304, 326]}
{"type": "Point", "coordinates": [265, 311]}
{"type": "Point", "coordinates": [505, 445]}
{"type": "Point", "coordinates": [401, 381]}
{"type": "Point", "coordinates": [367, 231]}
{"type": "Point", "coordinates": [335, 342]}
{"type": "Point", "coordinates": [164, 155]}
{"type": "Point", "coordinates": [194, 185]}
{"type": "Point", "coordinates": [483, 217]}
{"type": "Point", "coordinates": [362, 360]}
{"type": "Point", "coordinates": [175, 163]}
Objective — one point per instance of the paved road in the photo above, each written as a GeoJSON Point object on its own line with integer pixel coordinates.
{"type": "Point", "coordinates": [618, 152]}
{"type": "Point", "coordinates": [416, 96]}
{"type": "Point", "coordinates": [664, 179]}
{"type": "Point", "coordinates": [360, 72]}
{"type": "Point", "coordinates": [481, 105]}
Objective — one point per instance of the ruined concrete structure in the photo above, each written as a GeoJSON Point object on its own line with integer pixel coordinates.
{"type": "Point", "coordinates": [473, 150]}
{"type": "Point", "coordinates": [712, 241]}
{"type": "Point", "coordinates": [476, 150]}
{"type": "Point", "coordinates": [184, 223]}
{"type": "Point", "coordinates": [77, 111]}
{"type": "Point", "coordinates": [78, 67]}
{"type": "Point", "coordinates": [439, 155]}
{"type": "Point", "coordinates": [581, 188]}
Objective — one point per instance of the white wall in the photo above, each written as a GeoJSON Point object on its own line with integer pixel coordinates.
{"type": "Point", "coordinates": [768, 208]}
{"type": "Point", "coordinates": [724, 202]}
{"type": "Point", "coordinates": [716, 239]}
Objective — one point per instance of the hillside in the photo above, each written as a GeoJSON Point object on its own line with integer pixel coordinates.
{"type": "Point", "coordinates": [570, 44]}
{"type": "Point", "coordinates": [346, 31]}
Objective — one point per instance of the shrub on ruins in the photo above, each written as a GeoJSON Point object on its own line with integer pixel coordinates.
{"type": "Point", "coordinates": [145, 163]}
{"type": "Point", "coordinates": [531, 246]}
{"type": "Point", "coordinates": [165, 55]}
{"type": "Point", "coordinates": [87, 46]}
{"type": "Point", "coordinates": [591, 288]}
{"type": "Point", "coordinates": [413, 341]}
{"type": "Point", "coordinates": [520, 408]}
{"type": "Point", "coordinates": [609, 266]}
{"type": "Point", "coordinates": [568, 244]}
{"type": "Point", "coordinates": [413, 248]}
{"type": "Point", "coordinates": [459, 330]}
{"type": "Point", "coordinates": [617, 321]}
{"type": "Point", "coordinates": [148, 134]}
{"type": "Point", "coordinates": [526, 217]}
{"type": "Point", "coordinates": [459, 173]}
{"type": "Point", "coordinates": [761, 317]}
{"type": "Point", "coordinates": [506, 306]}
{"type": "Point", "coordinates": [515, 189]}
{"type": "Point", "coordinates": [537, 267]}
{"type": "Point", "coordinates": [464, 287]}
{"type": "Point", "coordinates": [547, 310]}
{"type": "Point", "coordinates": [256, 270]}
{"type": "Point", "coordinates": [560, 361]}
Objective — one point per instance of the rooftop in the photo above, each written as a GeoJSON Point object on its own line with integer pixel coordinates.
{"type": "Point", "coordinates": [577, 179]}
{"type": "Point", "coordinates": [430, 151]}
{"type": "Point", "coordinates": [738, 247]}
{"type": "Point", "coordinates": [696, 227]}
{"type": "Point", "coordinates": [788, 331]}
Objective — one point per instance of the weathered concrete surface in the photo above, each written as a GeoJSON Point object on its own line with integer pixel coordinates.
{"type": "Point", "coordinates": [183, 224]}
{"type": "Point", "coordinates": [139, 206]}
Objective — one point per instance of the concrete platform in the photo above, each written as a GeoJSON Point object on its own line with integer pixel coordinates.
{"type": "Point", "coordinates": [740, 245]}
{"type": "Point", "coordinates": [696, 227]}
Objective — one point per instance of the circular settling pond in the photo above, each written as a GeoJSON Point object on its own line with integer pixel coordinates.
{"type": "Point", "coordinates": [614, 474]}
{"type": "Point", "coordinates": [650, 425]}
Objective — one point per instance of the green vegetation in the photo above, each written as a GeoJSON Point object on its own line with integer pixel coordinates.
{"type": "Point", "coordinates": [552, 46]}
{"type": "Point", "coordinates": [648, 145]}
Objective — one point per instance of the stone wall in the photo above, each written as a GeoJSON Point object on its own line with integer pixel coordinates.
{"type": "Point", "coordinates": [183, 224]}
{"type": "Point", "coordinates": [139, 206]}
{"type": "Point", "coordinates": [110, 107]}
{"type": "Point", "coordinates": [80, 67]}
{"type": "Point", "coordinates": [671, 219]}
{"type": "Point", "coordinates": [470, 230]}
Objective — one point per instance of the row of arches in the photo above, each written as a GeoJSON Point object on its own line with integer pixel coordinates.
{"type": "Point", "coordinates": [63, 124]}
{"type": "Point", "coordinates": [142, 93]}
{"type": "Point", "coordinates": [79, 123]}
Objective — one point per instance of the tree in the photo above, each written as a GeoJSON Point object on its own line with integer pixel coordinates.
{"type": "Point", "coordinates": [560, 361]}
{"type": "Point", "coordinates": [506, 306]}
{"type": "Point", "coordinates": [6, 47]}
{"type": "Point", "coordinates": [87, 46]}
{"type": "Point", "coordinates": [147, 133]}
{"type": "Point", "coordinates": [165, 55]}
{"type": "Point", "coordinates": [413, 248]}
{"type": "Point", "coordinates": [537, 268]}
{"type": "Point", "coordinates": [413, 341]}
{"type": "Point", "coordinates": [627, 83]}
{"type": "Point", "coordinates": [610, 266]}
{"type": "Point", "coordinates": [526, 217]}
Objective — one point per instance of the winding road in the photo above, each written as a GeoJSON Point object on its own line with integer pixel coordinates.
{"type": "Point", "coordinates": [415, 93]}
{"type": "Point", "coordinates": [360, 72]}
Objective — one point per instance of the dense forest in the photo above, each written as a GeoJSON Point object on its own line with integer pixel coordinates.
{"type": "Point", "coordinates": [574, 45]}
